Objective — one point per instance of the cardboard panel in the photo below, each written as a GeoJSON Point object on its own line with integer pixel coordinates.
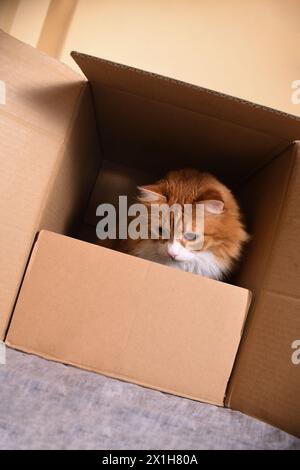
{"type": "Point", "coordinates": [43, 97]}
{"type": "Point", "coordinates": [262, 200]}
{"type": "Point", "coordinates": [112, 181]}
{"type": "Point", "coordinates": [75, 174]}
{"type": "Point", "coordinates": [283, 275]}
{"type": "Point", "coordinates": [181, 341]}
{"type": "Point", "coordinates": [156, 137]}
{"type": "Point", "coordinates": [150, 121]}
{"type": "Point", "coordinates": [265, 382]}
{"type": "Point", "coordinates": [187, 96]}
{"type": "Point", "coordinates": [40, 91]}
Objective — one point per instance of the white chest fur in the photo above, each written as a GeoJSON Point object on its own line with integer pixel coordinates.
{"type": "Point", "coordinates": [203, 263]}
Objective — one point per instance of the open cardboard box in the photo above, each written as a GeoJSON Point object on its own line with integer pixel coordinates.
{"type": "Point", "coordinates": [68, 144]}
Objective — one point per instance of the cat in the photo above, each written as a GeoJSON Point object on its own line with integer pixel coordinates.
{"type": "Point", "coordinates": [223, 236]}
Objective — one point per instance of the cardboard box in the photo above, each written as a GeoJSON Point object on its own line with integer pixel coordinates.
{"type": "Point", "coordinates": [113, 313]}
{"type": "Point", "coordinates": [49, 158]}
{"type": "Point", "coordinates": [128, 318]}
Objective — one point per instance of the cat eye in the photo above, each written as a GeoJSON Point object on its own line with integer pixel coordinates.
{"type": "Point", "coordinates": [190, 236]}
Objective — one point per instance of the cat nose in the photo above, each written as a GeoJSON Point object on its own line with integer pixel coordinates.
{"type": "Point", "coordinates": [172, 252]}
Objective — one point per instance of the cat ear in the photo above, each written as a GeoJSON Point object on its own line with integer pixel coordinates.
{"type": "Point", "coordinates": [213, 206]}
{"type": "Point", "coordinates": [213, 201]}
{"type": "Point", "coordinates": [152, 193]}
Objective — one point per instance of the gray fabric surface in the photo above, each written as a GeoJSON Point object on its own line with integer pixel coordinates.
{"type": "Point", "coordinates": [45, 405]}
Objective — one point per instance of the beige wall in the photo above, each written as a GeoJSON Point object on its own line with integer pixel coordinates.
{"type": "Point", "coordinates": [248, 48]}
{"type": "Point", "coordinates": [24, 19]}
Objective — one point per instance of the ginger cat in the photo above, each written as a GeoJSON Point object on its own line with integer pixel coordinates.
{"type": "Point", "coordinates": [223, 236]}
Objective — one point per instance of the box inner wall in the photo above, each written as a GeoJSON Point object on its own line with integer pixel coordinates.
{"type": "Point", "coordinates": [127, 162]}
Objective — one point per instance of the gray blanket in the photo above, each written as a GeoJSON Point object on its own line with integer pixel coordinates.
{"type": "Point", "coordinates": [45, 405]}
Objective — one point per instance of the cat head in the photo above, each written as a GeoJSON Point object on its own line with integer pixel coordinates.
{"type": "Point", "coordinates": [222, 233]}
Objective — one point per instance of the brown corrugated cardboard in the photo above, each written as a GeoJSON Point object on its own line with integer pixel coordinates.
{"type": "Point", "coordinates": [113, 180]}
{"type": "Point", "coordinates": [152, 124]}
{"type": "Point", "coordinates": [265, 382]}
{"type": "Point", "coordinates": [116, 314]}
{"type": "Point", "coordinates": [169, 122]}
{"type": "Point", "coordinates": [40, 161]}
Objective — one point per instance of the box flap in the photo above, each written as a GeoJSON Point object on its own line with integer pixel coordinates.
{"type": "Point", "coordinates": [115, 314]}
{"type": "Point", "coordinates": [154, 120]}
{"type": "Point", "coordinates": [42, 98]}
{"type": "Point", "coordinates": [266, 381]}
